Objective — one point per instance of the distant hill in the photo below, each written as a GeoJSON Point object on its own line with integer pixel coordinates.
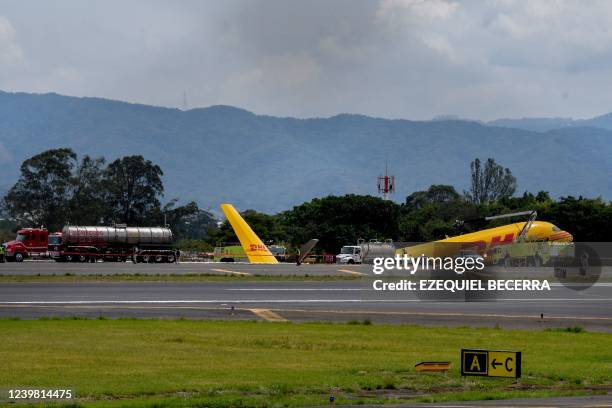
{"type": "Point", "coordinates": [546, 124]}
{"type": "Point", "coordinates": [222, 153]}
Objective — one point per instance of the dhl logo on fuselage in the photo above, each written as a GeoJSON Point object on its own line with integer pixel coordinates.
{"type": "Point", "coordinates": [485, 240]}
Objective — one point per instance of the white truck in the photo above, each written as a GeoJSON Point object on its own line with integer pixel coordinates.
{"type": "Point", "coordinates": [365, 252]}
{"type": "Point", "coordinates": [349, 254]}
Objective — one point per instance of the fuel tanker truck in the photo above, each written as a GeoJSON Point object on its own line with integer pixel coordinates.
{"type": "Point", "coordinates": [118, 243]}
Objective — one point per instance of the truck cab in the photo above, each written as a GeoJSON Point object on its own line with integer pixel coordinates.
{"type": "Point", "coordinates": [349, 254]}
{"type": "Point", "coordinates": [55, 245]}
{"type": "Point", "coordinates": [280, 252]}
{"type": "Point", "coordinates": [29, 242]}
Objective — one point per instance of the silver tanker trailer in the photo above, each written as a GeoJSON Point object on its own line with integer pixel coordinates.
{"type": "Point", "coordinates": [117, 243]}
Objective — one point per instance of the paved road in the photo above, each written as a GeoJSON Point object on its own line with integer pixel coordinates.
{"type": "Point", "coordinates": [296, 300]}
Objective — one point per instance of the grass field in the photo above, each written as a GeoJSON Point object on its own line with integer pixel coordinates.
{"type": "Point", "coordinates": [167, 363]}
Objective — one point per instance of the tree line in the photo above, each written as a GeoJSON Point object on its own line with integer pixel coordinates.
{"type": "Point", "coordinates": [426, 215]}
{"type": "Point", "coordinates": [56, 189]}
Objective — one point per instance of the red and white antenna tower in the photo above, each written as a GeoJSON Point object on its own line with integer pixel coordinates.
{"type": "Point", "coordinates": [386, 184]}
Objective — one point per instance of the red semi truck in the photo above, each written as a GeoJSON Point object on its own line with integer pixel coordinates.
{"type": "Point", "coordinates": [92, 243]}
{"type": "Point", "coordinates": [29, 242]}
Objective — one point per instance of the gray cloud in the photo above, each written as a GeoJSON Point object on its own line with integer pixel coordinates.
{"type": "Point", "coordinates": [391, 58]}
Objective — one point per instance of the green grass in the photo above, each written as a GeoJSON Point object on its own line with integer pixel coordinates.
{"type": "Point", "coordinates": [168, 363]}
{"type": "Point", "coordinates": [196, 277]}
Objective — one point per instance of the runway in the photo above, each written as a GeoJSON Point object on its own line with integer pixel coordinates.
{"type": "Point", "coordinates": [296, 301]}
{"type": "Point", "coordinates": [183, 268]}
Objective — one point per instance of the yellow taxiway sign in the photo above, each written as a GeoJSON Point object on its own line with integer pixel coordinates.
{"type": "Point", "coordinates": [491, 363]}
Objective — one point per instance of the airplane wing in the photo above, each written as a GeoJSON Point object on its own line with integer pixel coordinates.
{"type": "Point", "coordinates": [306, 248]}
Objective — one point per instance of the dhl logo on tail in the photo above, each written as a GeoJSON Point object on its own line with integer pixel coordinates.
{"type": "Point", "coordinates": [254, 248]}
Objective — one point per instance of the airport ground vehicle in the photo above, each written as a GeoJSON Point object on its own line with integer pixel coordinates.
{"type": "Point", "coordinates": [28, 243]}
{"type": "Point", "coordinates": [229, 253]}
{"type": "Point", "coordinates": [365, 252]}
{"type": "Point", "coordinates": [235, 253]}
{"type": "Point", "coordinates": [530, 253]}
{"type": "Point", "coordinates": [117, 243]}
{"type": "Point", "coordinates": [281, 253]}
{"type": "Point", "coordinates": [349, 254]}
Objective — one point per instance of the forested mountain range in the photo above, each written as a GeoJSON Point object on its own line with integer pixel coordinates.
{"type": "Point", "coordinates": [222, 153]}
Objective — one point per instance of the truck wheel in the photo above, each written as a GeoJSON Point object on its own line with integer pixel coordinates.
{"type": "Point", "coordinates": [350, 262]}
{"type": "Point", "coordinates": [82, 258]}
{"type": "Point", "coordinates": [170, 258]}
{"type": "Point", "coordinates": [68, 258]}
{"type": "Point", "coordinates": [159, 259]}
{"type": "Point", "coordinates": [146, 258]}
{"type": "Point", "coordinates": [18, 257]}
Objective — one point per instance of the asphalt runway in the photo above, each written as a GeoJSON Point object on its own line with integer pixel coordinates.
{"type": "Point", "coordinates": [183, 268]}
{"type": "Point", "coordinates": [297, 301]}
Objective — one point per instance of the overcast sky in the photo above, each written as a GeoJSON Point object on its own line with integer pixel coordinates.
{"type": "Point", "coordinates": [392, 58]}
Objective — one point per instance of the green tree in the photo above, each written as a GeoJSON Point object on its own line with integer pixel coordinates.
{"type": "Point", "coordinates": [434, 213]}
{"type": "Point", "coordinates": [435, 194]}
{"type": "Point", "coordinates": [133, 187]}
{"type": "Point", "coordinates": [587, 219]}
{"type": "Point", "coordinates": [42, 192]}
{"type": "Point", "coordinates": [491, 183]}
{"type": "Point", "coordinates": [88, 205]}
{"type": "Point", "coordinates": [342, 220]}
{"type": "Point", "coordinates": [186, 221]}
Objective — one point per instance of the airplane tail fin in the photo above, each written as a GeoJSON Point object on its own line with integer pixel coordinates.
{"type": "Point", "coordinates": [254, 248]}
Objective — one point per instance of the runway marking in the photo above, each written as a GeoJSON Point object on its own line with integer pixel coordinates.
{"type": "Point", "coordinates": [228, 271]}
{"type": "Point", "coordinates": [268, 315]}
{"type": "Point", "coordinates": [352, 272]}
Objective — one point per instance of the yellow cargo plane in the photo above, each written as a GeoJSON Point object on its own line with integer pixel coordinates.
{"type": "Point", "coordinates": [253, 247]}
{"type": "Point", "coordinates": [484, 240]}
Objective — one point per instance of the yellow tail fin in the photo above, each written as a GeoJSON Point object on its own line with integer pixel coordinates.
{"type": "Point", "coordinates": [256, 251]}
